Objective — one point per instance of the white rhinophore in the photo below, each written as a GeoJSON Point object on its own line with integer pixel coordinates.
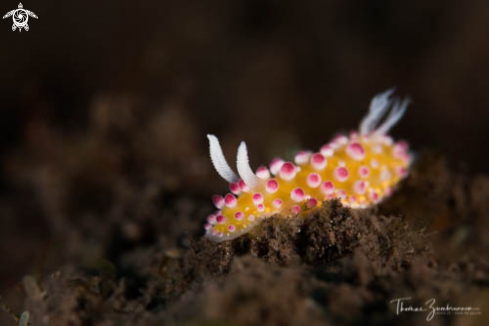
{"type": "Point", "coordinates": [219, 161]}
{"type": "Point", "coordinates": [244, 169]}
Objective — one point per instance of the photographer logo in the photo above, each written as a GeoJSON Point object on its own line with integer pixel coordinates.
{"type": "Point", "coordinates": [20, 17]}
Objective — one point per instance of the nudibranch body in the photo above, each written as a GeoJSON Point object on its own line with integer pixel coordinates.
{"type": "Point", "coordinates": [360, 169]}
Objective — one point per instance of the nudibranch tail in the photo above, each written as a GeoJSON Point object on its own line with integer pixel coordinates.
{"type": "Point", "coordinates": [360, 169]}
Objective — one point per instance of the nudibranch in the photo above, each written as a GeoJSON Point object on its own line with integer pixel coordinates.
{"type": "Point", "coordinates": [360, 170]}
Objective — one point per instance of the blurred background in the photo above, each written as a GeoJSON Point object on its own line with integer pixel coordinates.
{"type": "Point", "coordinates": [105, 106]}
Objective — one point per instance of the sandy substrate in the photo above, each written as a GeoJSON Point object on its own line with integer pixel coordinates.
{"type": "Point", "coordinates": [332, 266]}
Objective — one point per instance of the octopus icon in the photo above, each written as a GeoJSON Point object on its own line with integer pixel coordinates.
{"type": "Point", "coordinates": [20, 17]}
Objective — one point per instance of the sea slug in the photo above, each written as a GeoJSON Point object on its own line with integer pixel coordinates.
{"type": "Point", "coordinates": [360, 169]}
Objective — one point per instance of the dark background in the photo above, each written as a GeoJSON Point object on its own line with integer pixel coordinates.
{"type": "Point", "coordinates": [123, 92]}
{"type": "Point", "coordinates": [257, 68]}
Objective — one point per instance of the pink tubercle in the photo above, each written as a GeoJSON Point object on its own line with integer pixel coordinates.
{"type": "Point", "coordinates": [374, 196]}
{"type": "Point", "coordinates": [295, 209]}
{"type": "Point", "coordinates": [356, 151]}
{"type": "Point", "coordinates": [287, 171]}
{"type": "Point", "coordinates": [363, 171]}
{"type": "Point", "coordinates": [207, 227]}
{"type": "Point", "coordinates": [243, 186]}
{"type": "Point", "coordinates": [341, 194]}
{"type": "Point", "coordinates": [297, 194]}
{"type": "Point", "coordinates": [260, 208]}
{"type": "Point", "coordinates": [211, 219]}
{"type": "Point", "coordinates": [234, 187]}
{"type": "Point", "coordinates": [313, 180]}
{"type": "Point", "coordinates": [399, 150]}
{"type": "Point", "coordinates": [385, 175]}
{"type": "Point", "coordinates": [275, 165]}
{"type": "Point", "coordinates": [403, 144]}
{"type": "Point", "coordinates": [387, 140]}
{"type": "Point", "coordinates": [401, 171]}
{"type": "Point", "coordinates": [302, 157]}
{"type": "Point", "coordinates": [263, 173]}
{"type": "Point", "coordinates": [272, 186]}
{"type": "Point", "coordinates": [353, 199]}
{"type": "Point", "coordinates": [239, 216]}
{"type": "Point", "coordinates": [341, 173]}
{"type": "Point", "coordinates": [251, 218]}
{"type": "Point", "coordinates": [374, 163]}
{"type": "Point", "coordinates": [327, 188]}
{"type": "Point", "coordinates": [388, 191]}
{"type": "Point", "coordinates": [257, 198]}
{"type": "Point", "coordinates": [340, 140]}
{"type": "Point", "coordinates": [277, 203]}
{"type": "Point", "coordinates": [220, 234]}
{"type": "Point", "coordinates": [318, 161]}
{"type": "Point", "coordinates": [230, 200]}
{"type": "Point", "coordinates": [360, 187]}
{"type": "Point", "coordinates": [312, 202]}
{"type": "Point", "coordinates": [326, 150]}
{"type": "Point", "coordinates": [218, 201]}
{"type": "Point", "coordinates": [334, 145]}
{"type": "Point", "coordinates": [377, 149]}
{"type": "Point", "coordinates": [232, 228]}
{"type": "Point", "coordinates": [220, 219]}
